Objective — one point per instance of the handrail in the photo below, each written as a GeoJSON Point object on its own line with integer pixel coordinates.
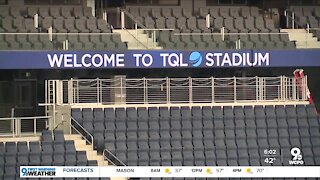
{"type": "Point", "coordinates": [91, 143]}
{"type": "Point", "coordinates": [136, 23]}
{"type": "Point", "coordinates": [88, 133]}
{"type": "Point", "coordinates": [25, 118]}
{"type": "Point", "coordinates": [113, 156]}
{"type": "Point", "coordinates": [132, 18]}
{"type": "Point", "coordinates": [18, 33]}
{"type": "Point", "coordinates": [16, 128]}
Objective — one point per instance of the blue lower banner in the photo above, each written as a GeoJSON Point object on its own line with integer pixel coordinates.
{"type": "Point", "coordinates": [157, 59]}
{"type": "Point", "coordinates": [170, 171]}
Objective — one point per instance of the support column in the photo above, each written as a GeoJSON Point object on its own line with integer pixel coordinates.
{"type": "Point", "coordinates": [119, 87]}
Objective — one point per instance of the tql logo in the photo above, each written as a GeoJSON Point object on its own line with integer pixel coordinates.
{"type": "Point", "coordinates": [296, 157]}
{"type": "Point", "coordinates": [195, 59]}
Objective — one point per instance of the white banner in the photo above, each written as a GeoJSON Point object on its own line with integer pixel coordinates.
{"type": "Point", "coordinates": [170, 171]}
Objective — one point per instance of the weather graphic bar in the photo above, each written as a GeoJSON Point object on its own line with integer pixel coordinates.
{"type": "Point", "coordinates": [170, 171]}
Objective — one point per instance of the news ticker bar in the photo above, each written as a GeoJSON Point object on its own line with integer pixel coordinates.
{"type": "Point", "coordinates": [170, 171]}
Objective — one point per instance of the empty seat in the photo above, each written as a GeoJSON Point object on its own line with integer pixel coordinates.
{"type": "Point", "coordinates": [23, 148]}
{"type": "Point", "coordinates": [58, 136]}
{"type": "Point", "coordinates": [11, 148]}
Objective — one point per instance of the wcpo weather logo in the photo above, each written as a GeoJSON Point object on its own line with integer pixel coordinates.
{"type": "Point", "coordinates": [37, 172]}
{"type": "Point", "coordinates": [195, 59]}
{"type": "Point", "coordinates": [296, 157]}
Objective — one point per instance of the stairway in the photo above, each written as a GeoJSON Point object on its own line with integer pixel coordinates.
{"type": "Point", "coordinates": [302, 39]}
{"type": "Point", "coordinates": [81, 145]}
{"type": "Point", "coordinates": [137, 39]}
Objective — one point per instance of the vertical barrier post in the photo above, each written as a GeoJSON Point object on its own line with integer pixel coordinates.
{"type": "Point", "coordinates": [50, 33]}
{"type": "Point", "coordinates": [208, 21]}
{"type": "Point", "coordinates": [168, 89]}
{"type": "Point", "coordinates": [307, 92]}
{"type": "Point", "coordinates": [222, 33]}
{"type": "Point", "coordinates": [98, 96]}
{"type": "Point", "coordinates": [212, 89]}
{"type": "Point", "coordinates": [234, 88]}
{"type": "Point", "coordinates": [264, 96]}
{"type": "Point", "coordinates": [281, 88]}
{"type": "Point", "coordinates": [154, 38]}
{"type": "Point", "coordinates": [287, 18]}
{"type": "Point", "coordinates": [286, 88]}
{"type": "Point", "coordinates": [136, 28]}
{"type": "Point", "coordinates": [293, 17]}
{"type": "Point", "coordinates": [70, 91]}
{"type": "Point", "coordinates": [190, 90]}
{"type": "Point", "coordinates": [307, 34]}
{"type": "Point", "coordinates": [304, 88]}
{"type": "Point", "coordinates": [13, 125]}
{"type": "Point", "coordinates": [121, 91]}
{"type": "Point", "coordinates": [12, 112]}
{"type": "Point", "coordinates": [122, 20]}
{"type": "Point", "coordinates": [35, 127]}
{"type": "Point", "coordinates": [67, 44]}
{"type": "Point", "coordinates": [257, 88]}
{"type": "Point", "coordinates": [19, 128]}
{"type": "Point", "coordinates": [144, 91]}
{"type": "Point", "coordinates": [294, 91]}
{"type": "Point", "coordinates": [36, 20]}
{"type": "Point", "coordinates": [136, 32]}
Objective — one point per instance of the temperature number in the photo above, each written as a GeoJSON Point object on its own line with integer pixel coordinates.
{"type": "Point", "coordinates": [269, 160]}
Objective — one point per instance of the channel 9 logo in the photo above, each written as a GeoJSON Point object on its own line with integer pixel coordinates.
{"type": "Point", "coordinates": [37, 172]}
{"type": "Point", "coordinates": [296, 157]}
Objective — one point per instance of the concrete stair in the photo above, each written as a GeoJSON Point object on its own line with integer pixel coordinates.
{"type": "Point", "coordinates": [302, 38]}
{"type": "Point", "coordinates": [138, 40]}
{"type": "Point", "coordinates": [81, 145]}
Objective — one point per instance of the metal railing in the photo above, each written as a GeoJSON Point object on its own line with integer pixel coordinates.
{"type": "Point", "coordinates": [20, 126]}
{"type": "Point", "coordinates": [128, 21]}
{"type": "Point", "coordinates": [110, 157]}
{"type": "Point", "coordinates": [125, 15]}
{"type": "Point", "coordinates": [290, 19]}
{"type": "Point", "coordinates": [82, 131]}
{"type": "Point", "coordinates": [176, 90]}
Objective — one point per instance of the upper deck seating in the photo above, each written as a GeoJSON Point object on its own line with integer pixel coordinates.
{"type": "Point", "coordinates": [307, 15]}
{"type": "Point", "coordinates": [69, 20]}
{"type": "Point", "coordinates": [211, 136]}
{"type": "Point", "coordinates": [233, 19]}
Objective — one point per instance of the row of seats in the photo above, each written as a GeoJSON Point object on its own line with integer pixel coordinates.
{"type": "Point", "coordinates": [62, 19]}
{"type": "Point", "coordinates": [204, 136]}
{"type": "Point", "coordinates": [206, 112]}
{"type": "Point", "coordinates": [234, 12]}
{"type": "Point", "coordinates": [263, 41]}
{"type": "Point", "coordinates": [177, 12]}
{"type": "Point", "coordinates": [51, 150]}
{"type": "Point", "coordinates": [307, 15]}
{"type": "Point", "coordinates": [67, 19]}
{"type": "Point", "coordinates": [226, 45]}
{"type": "Point", "coordinates": [195, 25]}
{"type": "Point", "coordinates": [233, 19]}
{"type": "Point", "coordinates": [78, 42]}
{"type": "Point", "coordinates": [45, 11]}
{"type": "Point", "coordinates": [69, 25]}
